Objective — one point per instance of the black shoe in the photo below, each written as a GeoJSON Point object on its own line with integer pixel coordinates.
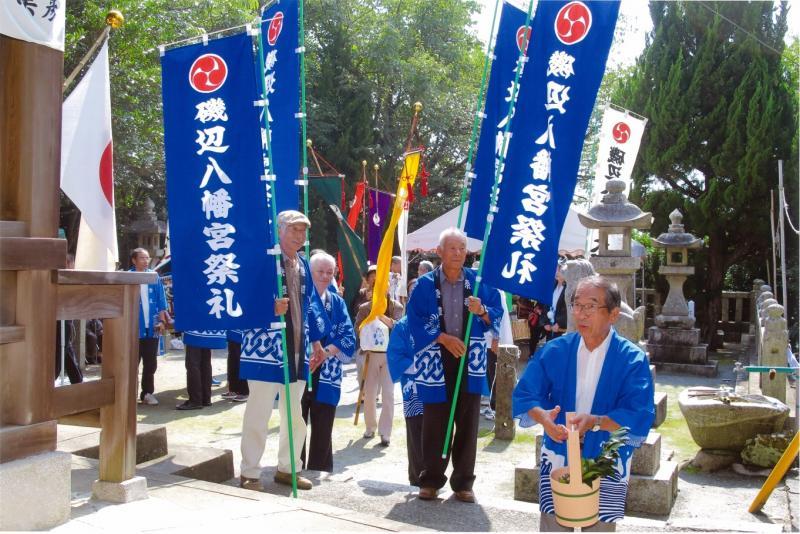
{"type": "Point", "coordinates": [207, 403]}
{"type": "Point", "coordinates": [188, 406]}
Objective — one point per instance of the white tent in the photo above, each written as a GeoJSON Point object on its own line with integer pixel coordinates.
{"type": "Point", "coordinates": [426, 238]}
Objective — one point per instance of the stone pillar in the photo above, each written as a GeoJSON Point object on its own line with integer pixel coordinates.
{"type": "Point", "coordinates": [504, 382]}
{"type": "Point", "coordinates": [773, 351]}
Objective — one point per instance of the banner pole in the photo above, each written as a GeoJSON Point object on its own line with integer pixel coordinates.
{"type": "Point", "coordinates": [523, 57]}
{"type": "Point", "coordinates": [301, 48]}
{"type": "Point", "coordinates": [276, 248]}
{"type": "Point", "coordinates": [477, 119]}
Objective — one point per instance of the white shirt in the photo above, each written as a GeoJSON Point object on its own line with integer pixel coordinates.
{"type": "Point", "coordinates": [145, 304]}
{"type": "Point", "coordinates": [590, 364]}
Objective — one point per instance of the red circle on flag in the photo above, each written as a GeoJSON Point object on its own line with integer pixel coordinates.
{"type": "Point", "coordinates": [208, 73]}
{"type": "Point", "coordinates": [621, 132]}
{"type": "Point", "coordinates": [522, 35]}
{"type": "Point", "coordinates": [573, 23]}
{"type": "Point", "coordinates": [106, 173]}
{"type": "Point", "coordinates": [275, 28]}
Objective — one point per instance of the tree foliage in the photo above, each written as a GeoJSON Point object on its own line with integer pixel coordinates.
{"type": "Point", "coordinates": [713, 83]}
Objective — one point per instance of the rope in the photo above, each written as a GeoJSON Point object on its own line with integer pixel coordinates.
{"type": "Point", "coordinates": [786, 210]}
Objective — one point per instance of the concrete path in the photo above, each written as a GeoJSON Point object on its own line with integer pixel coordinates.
{"type": "Point", "coordinates": [372, 481]}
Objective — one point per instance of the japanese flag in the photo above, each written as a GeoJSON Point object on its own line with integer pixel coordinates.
{"type": "Point", "coordinates": [87, 176]}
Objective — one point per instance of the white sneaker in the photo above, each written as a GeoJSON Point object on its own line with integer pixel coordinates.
{"type": "Point", "coordinates": [149, 399]}
{"type": "Point", "coordinates": [489, 415]}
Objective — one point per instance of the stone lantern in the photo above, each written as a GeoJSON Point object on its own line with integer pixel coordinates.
{"type": "Point", "coordinates": [614, 219]}
{"type": "Point", "coordinates": [149, 230]}
{"type": "Point", "coordinates": [674, 340]}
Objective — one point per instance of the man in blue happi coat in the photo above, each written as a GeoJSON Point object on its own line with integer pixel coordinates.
{"type": "Point", "coordinates": [262, 359]}
{"type": "Point", "coordinates": [605, 380]}
{"type": "Point", "coordinates": [319, 404]}
{"type": "Point", "coordinates": [437, 319]}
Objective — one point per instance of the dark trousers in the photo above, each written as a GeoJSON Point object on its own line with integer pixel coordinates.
{"type": "Point", "coordinates": [435, 418]}
{"type": "Point", "coordinates": [71, 366]}
{"type": "Point", "coordinates": [198, 374]}
{"type": "Point", "coordinates": [414, 445]}
{"type": "Point", "coordinates": [320, 446]}
{"type": "Point", "coordinates": [148, 352]}
{"type": "Point", "coordinates": [491, 370]}
{"type": "Point", "coordinates": [235, 384]}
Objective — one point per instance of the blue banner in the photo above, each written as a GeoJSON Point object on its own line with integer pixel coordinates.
{"type": "Point", "coordinates": [219, 231]}
{"type": "Point", "coordinates": [568, 52]}
{"type": "Point", "coordinates": [498, 96]}
{"type": "Point", "coordinates": [279, 36]}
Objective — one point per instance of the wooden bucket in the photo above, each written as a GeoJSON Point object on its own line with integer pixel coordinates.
{"type": "Point", "coordinates": [576, 504]}
{"type": "Point", "coordinates": [520, 329]}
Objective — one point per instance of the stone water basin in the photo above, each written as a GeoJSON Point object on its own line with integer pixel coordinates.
{"type": "Point", "coordinates": [721, 420]}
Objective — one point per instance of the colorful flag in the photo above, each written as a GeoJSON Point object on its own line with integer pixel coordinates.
{"type": "Point", "coordinates": [356, 205]}
{"type": "Point", "coordinates": [380, 203]}
{"type": "Point", "coordinates": [407, 178]}
{"type": "Point", "coordinates": [568, 51]}
{"type": "Point", "coordinates": [354, 257]}
{"type": "Point", "coordinates": [498, 95]}
{"type": "Point", "coordinates": [220, 235]}
{"type": "Point", "coordinates": [279, 35]}
{"type": "Point", "coordinates": [87, 163]}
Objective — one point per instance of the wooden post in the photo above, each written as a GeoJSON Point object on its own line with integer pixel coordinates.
{"type": "Point", "coordinates": [30, 135]}
{"type": "Point", "coordinates": [118, 421]}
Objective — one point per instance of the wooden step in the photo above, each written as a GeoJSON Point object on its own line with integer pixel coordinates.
{"type": "Point", "coordinates": [13, 229]}
{"type": "Point", "coordinates": [11, 334]}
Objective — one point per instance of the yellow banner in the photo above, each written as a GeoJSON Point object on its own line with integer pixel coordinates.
{"type": "Point", "coordinates": [407, 178]}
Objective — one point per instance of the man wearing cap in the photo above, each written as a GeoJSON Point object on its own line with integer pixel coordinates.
{"type": "Point", "coordinates": [262, 359]}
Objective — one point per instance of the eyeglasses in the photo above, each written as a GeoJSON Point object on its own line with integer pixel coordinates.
{"type": "Point", "coordinates": [588, 309]}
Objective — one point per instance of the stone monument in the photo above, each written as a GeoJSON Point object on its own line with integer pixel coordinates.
{"type": "Point", "coordinates": [614, 219]}
{"type": "Point", "coordinates": [674, 341]}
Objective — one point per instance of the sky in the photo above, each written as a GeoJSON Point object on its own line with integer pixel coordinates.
{"type": "Point", "coordinates": [635, 12]}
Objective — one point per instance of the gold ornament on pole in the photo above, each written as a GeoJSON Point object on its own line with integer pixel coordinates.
{"type": "Point", "coordinates": [417, 107]}
{"type": "Point", "coordinates": [114, 19]}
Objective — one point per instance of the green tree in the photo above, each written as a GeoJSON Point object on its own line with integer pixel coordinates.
{"type": "Point", "coordinates": [712, 83]}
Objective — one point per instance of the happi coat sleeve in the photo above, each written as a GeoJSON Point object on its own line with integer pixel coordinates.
{"type": "Point", "coordinates": [342, 337]}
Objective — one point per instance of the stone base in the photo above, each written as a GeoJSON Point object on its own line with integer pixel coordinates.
{"type": "Point", "coordinates": [35, 492]}
{"type": "Point", "coordinates": [646, 459]}
{"type": "Point", "coordinates": [200, 463]}
{"type": "Point", "coordinates": [151, 441]}
{"type": "Point", "coordinates": [660, 400]}
{"type": "Point", "coordinates": [134, 489]}
{"type": "Point", "coordinates": [708, 370]}
{"type": "Point", "coordinates": [686, 337]}
{"type": "Point", "coordinates": [646, 494]}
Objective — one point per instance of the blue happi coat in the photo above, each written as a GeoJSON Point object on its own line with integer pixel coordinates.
{"type": "Point", "coordinates": [424, 321]}
{"type": "Point", "coordinates": [262, 354]}
{"type": "Point", "coordinates": [205, 339]}
{"type": "Point", "coordinates": [329, 388]}
{"type": "Point", "coordinates": [624, 394]}
{"type": "Point", "coordinates": [400, 359]}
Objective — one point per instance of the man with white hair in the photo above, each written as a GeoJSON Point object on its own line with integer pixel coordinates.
{"type": "Point", "coordinates": [262, 360]}
{"type": "Point", "coordinates": [437, 318]}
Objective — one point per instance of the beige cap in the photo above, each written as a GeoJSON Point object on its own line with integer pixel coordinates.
{"type": "Point", "coordinates": [288, 217]}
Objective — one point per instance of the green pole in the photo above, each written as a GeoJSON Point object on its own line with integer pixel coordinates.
{"type": "Point", "coordinates": [276, 252]}
{"type": "Point", "coordinates": [468, 174]}
{"type": "Point", "coordinates": [487, 231]}
{"type": "Point", "coordinates": [301, 47]}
